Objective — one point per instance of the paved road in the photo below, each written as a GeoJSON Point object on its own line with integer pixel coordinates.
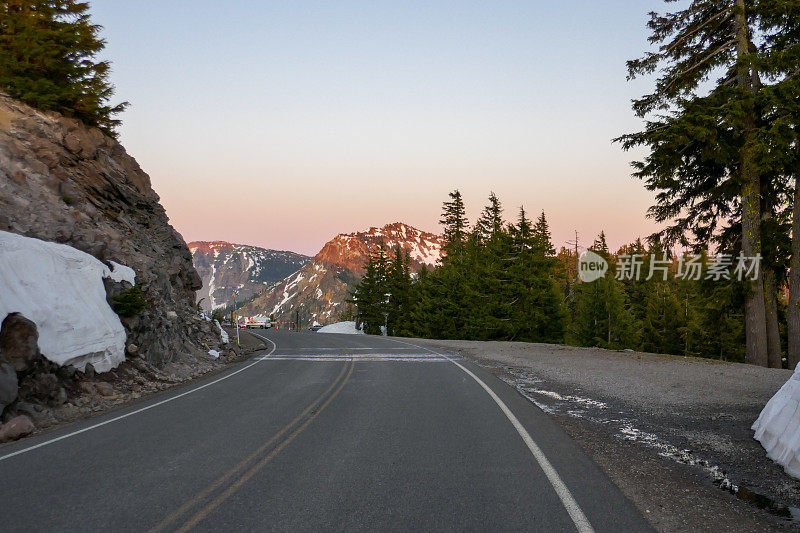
{"type": "Point", "coordinates": [318, 433]}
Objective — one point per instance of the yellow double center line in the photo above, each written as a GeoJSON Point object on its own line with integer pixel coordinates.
{"type": "Point", "coordinates": [241, 472]}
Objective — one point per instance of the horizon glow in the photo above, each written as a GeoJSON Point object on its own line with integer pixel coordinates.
{"type": "Point", "coordinates": [282, 126]}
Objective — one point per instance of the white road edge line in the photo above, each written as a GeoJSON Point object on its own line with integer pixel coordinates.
{"type": "Point", "coordinates": [126, 415]}
{"type": "Point", "coordinates": [572, 507]}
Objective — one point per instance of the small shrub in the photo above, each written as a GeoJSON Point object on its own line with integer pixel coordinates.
{"type": "Point", "coordinates": [129, 303]}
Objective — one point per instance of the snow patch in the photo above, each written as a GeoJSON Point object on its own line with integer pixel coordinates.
{"type": "Point", "coordinates": [348, 327]}
{"type": "Point", "coordinates": [214, 354]}
{"type": "Point", "coordinates": [222, 333]}
{"type": "Point", "coordinates": [122, 273]}
{"type": "Point", "coordinates": [777, 426]}
{"type": "Point", "coordinates": [61, 290]}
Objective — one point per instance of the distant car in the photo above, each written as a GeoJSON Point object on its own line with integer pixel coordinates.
{"type": "Point", "coordinates": [315, 328]}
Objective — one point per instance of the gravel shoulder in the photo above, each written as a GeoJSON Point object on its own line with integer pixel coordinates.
{"type": "Point", "coordinates": [673, 432]}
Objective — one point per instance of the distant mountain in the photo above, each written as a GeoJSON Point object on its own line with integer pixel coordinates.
{"type": "Point", "coordinates": [225, 267]}
{"type": "Point", "coordinates": [319, 289]}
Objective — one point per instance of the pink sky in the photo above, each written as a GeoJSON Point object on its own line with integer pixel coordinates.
{"type": "Point", "coordinates": [284, 124]}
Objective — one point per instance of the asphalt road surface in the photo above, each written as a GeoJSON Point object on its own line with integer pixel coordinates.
{"type": "Point", "coordinates": [320, 432]}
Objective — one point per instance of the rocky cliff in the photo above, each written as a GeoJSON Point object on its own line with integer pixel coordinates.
{"type": "Point", "coordinates": [226, 267]}
{"type": "Point", "coordinates": [63, 182]}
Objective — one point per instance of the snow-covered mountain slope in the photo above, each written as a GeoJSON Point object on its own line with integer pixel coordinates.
{"type": "Point", "coordinates": [318, 290]}
{"type": "Point", "coordinates": [225, 267]}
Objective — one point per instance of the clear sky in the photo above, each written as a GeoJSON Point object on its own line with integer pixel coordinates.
{"type": "Point", "coordinates": [283, 123]}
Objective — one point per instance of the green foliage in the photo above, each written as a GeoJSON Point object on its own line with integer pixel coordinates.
{"type": "Point", "coordinates": [48, 51]}
{"type": "Point", "coordinates": [721, 134]}
{"type": "Point", "coordinates": [370, 295]}
{"type": "Point", "coordinates": [496, 282]}
{"type": "Point", "coordinates": [505, 283]}
{"type": "Point", "coordinates": [602, 311]}
{"type": "Point", "coordinates": [130, 303]}
{"type": "Point", "coordinates": [217, 315]}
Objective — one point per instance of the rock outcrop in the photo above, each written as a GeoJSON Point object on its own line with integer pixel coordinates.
{"type": "Point", "coordinates": [61, 181]}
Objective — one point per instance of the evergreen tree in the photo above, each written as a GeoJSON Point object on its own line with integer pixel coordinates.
{"type": "Point", "coordinates": [708, 39]}
{"type": "Point", "coordinates": [48, 51]}
{"type": "Point", "coordinates": [602, 317]}
{"type": "Point", "coordinates": [536, 313]}
{"type": "Point", "coordinates": [398, 280]}
{"type": "Point", "coordinates": [369, 295]}
{"type": "Point", "coordinates": [542, 238]}
{"type": "Point", "coordinates": [490, 223]}
{"type": "Point", "coordinates": [454, 220]}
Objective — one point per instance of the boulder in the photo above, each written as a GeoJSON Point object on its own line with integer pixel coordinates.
{"type": "Point", "coordinates": [19, 342]}
{"type": "Point", "coordinates": [16, 428]}
{"type": "Point", "coordinates": [104, 389]}
{"type": "Point", "coordinates": [9, 387]}
{"type": "Point", "coordinates": [47, 387]}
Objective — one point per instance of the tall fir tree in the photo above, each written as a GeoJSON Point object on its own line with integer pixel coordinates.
{"type": "Point", "coordinates": [708, 39]}
{"type": "Point", "coordinates": [602, 317]}
{"type": "Point", "coordinates": [490, 224]}
{"type": "Point", "coordinates": [454, 221]}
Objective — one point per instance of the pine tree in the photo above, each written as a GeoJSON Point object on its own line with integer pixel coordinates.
{"type": "Point", "coordinates": [490, 223]}
{"type": "Point", "coordinates": [398, 280]}
{"type": "Point", "coordinates": [779, 26]}
{"type": "Point", "coordinates": [542, 238]}
{"type": "Point", "coordinates": [536, 313]}
{"type": "Point", "coordinates": [602, 317]}
{"type": "Point", "coordinates": [696, 43]}
{"type": "Point", "coordinates": [454, 220]}
{"type": "Point", "coordinates": [48, 51]}
{"type": "Point", "coordinates": [369, 295]}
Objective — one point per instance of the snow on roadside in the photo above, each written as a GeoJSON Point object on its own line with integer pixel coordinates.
{"type": "Point", "coordinates": [222, 333]}
{"type": "Point", "coordinates": [61, 290]}
{"type": "Point", "coordinates": [341, 327]}
{"type": "Point", "coordinates": [599, 412]}
{"type": "Point", "coordinates": [777, 426]}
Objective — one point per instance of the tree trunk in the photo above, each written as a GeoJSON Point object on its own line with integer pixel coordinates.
{"type": "Point", "coordinates": [774, 353]}
{"type": "Point", "coordinates": [754, 304]}
{"type": "Point", "coordinates": [794, 282]}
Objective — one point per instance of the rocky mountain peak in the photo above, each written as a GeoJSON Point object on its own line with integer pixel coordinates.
{"type": "Point", "coordinates": [318, 291]}
{"type": "Point", "coordinates": [350, 250]}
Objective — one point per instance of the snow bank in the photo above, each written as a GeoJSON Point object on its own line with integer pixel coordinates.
{"type": "Point", "coordinates": [222, 333]}
{"type": "Point", "coordinates": [61, 290]}
{"type": "Point", "coordinates": [778, 426]}
{"type": "Point", "coordinates": [341, 327]}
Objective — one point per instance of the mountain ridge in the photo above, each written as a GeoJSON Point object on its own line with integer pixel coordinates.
{"type": "Point", "coordinates": [225, 267]}
{"type": "Point", "coordinates": [317, 292]}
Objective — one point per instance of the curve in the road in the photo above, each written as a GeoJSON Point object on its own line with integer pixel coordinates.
{"type": "Point", "coordinates": [572, 507]}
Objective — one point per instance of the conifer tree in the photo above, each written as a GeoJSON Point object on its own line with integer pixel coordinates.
{"type": "Point", "coordinates": [48, 58]}
{"type": "Point", "coordinates": [398, 280]}
{"type": "Point", "coordinates": [696, 43]}
{"type": "Point", "coordinates": [602, 317]}
{"type": "Point", "coordinates": [454, 220]}
{"type": "Point", "coordinates": [369, 295]}
{"type": "Point", "coordinates": [490, 223]}
{"type": "Point", "coordinates": [542, 238]}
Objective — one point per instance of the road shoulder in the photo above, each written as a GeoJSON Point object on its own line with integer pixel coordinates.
{"type": "Point", "coordinates": [677, 446]}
